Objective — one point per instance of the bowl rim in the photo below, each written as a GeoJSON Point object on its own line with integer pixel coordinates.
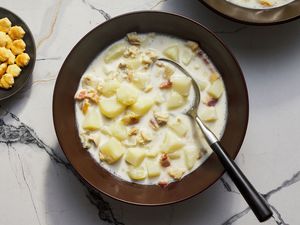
{"type": "Point", "coordinates": [243, 11]}
{"type": "Point", "coordinates": [33, 60]}
{"type": "Point", "coordinates": [243, 82]}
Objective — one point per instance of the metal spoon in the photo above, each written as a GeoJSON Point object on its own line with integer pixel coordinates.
{"type": "Point", "coordinates": [255, 200]}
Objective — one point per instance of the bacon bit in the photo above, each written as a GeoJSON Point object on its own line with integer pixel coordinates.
{"type": "Point", "coordinates": [85, 106]}
{"type": "Point", "coordinates": [212, 102]}
{"type": "Point", "coordinates": [165, 85]}
{"type": "Point", "coordinates": [205, 60]}
{"type": "Point", "coordinates": [153, 124]}
{"type": "Point", "coordinates": [80, 94]}
{"type": "Point", "coordinates": [163, 183]}
{"type": "Point", "coordinates": [83, 94]}
{"type": "Point", "coordinates": [164, 160]}
{"type": "Point", "coordinates": [200, 53]}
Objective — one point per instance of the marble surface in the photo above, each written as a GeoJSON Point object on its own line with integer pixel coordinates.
{"type": "Point", "coordinates": [38, 186]}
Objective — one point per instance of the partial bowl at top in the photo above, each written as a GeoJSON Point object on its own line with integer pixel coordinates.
{"type": "Point", "coordinates": [26, 72]}
{"type": "Point", "coordinates": [269, 16]}
{"type": "Point", "coordinates": [87, 50]}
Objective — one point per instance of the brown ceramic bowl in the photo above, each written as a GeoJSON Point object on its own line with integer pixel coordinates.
{"type": "Point", "coordinates": [255, 16]}
{"type": "Point", "coordinates": [30, 49]}
{"type": "Point", "coordinates": [85, 52]}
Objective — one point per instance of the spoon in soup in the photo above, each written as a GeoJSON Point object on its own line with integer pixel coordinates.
{"type": "Point", "coordinates": [255, 200]}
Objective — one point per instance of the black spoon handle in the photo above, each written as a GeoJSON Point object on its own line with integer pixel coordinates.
{"type": "Point", "coordinates": [257, 203]}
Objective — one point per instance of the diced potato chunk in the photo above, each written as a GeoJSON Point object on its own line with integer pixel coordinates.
{"type": "Point", "coordinates": [119, 131]}
{"type": "Point", "coordinates": [174, 155]}
{"type": "Point", "coordinates": [171, 143]}
{"type": "Point", "coordinates": [89, 81]}
{"type": "Point", "coordinates": [194, 46]}
{"type": "Point", "coordinates": [153, 168]}
{"type": "Point", "coordinates": [137, 173]}
{"type": "Point", "coordinates": [133, 63]}
{"type": "Point", "coordinates": [143, 105]}
{"type": "Point", "coordinates": [89, 139]}
{"type": "Point", "coordinates": [208, 114]}
{"type": "Point", "coordinates": [186, 56]}
{"type": "Point", "coordinates": [111, 151]}
{"type": "Point", "coordinates": [172, 52]}
{"type": "Point", "coordinates": [114, 52]}
{"type": "Point", "coordinates": [140, 80]}
{"type": "Point", "coordinates": [202, 85]}
{"type": "Point", "coordinates": [176, 173]}
{"type": "Point", "coordinates": [181, 84]}
{"type": "Point", "coordinates": [127, 94]}
{"type": "Point", "coordinates": [213, 77]}
{"type": "Point", "coordinates": [175, 100]}
{"type": "Point", "coordinates": [216, 89]}
{"type": "Point", "coordinates": [152, 153]}
{"type": "Point", "coordinates": [191, 155]}
{"type": "Point", "coordinates": [110, 87]}
{"type": "Point", "coordinates": [92, 120]}
{"type": "Point", "coordinates": [135, 156]}
{"type": "Point", "coordinates": [178, 125]}
{"type": "Point", "coordinates": [110, 107]}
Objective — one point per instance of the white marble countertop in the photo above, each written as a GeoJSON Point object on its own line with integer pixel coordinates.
{"type": "Point", "coordinates": [38, 189]}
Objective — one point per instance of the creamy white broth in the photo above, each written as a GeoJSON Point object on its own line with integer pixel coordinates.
{"type": "Point", "coordinates": [260, 4]}
{"type": "Point", "coordinates": [201, 70]}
